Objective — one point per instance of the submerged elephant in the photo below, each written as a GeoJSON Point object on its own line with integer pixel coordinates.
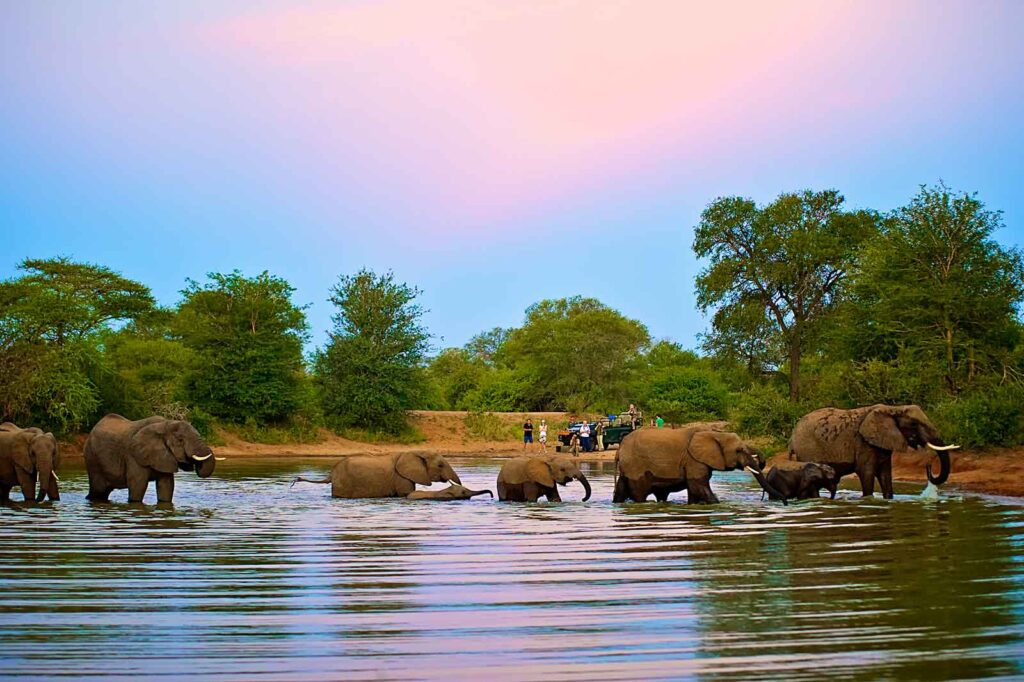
{"type": "Point", "coordinates": [527, 479]}
{"type": "Point", "coordinates": [27, 456]}
{"type": "Point", "coordinates": [129, 454]}
{"type": "Point", "coordinates": [396, 475]}
{"type": "Point", "coordinates": [663, 461]}
{"type": "Point", "coordinates": [789, 480]}
{"type": "Point", "coordinates": [452, 492]}
{"type": "Point", "coordinates": [862, 441]}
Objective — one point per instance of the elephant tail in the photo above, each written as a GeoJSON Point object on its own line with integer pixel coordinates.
{"type": "Point", "coordinates": [310, 480]}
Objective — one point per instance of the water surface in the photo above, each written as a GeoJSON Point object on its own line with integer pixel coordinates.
{"type": "Point", "coordinates": [248, 579]}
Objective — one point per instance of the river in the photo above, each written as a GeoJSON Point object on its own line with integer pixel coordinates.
{"type": "Point", "coordinates": [246, 578]}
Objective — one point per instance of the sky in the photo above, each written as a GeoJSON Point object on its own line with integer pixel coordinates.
{"type": "Point", "coordinates": [493, 154]}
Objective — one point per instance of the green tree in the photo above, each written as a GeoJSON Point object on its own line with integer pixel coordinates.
{"type": "Point", "coordinates": [454, 373]}
{"type": "Point", "coordinates": [51, 320]}
{"type": "Point", "coordinates": [937, 289]}
{"type": "Point", "coordinates": [679, 385]}
{"type": "Point", "coordinates": [777, 270]}
{"type": "Point", "coordinates": [371, 371]}
{"type": "Point", "coordinates": [246, 337]}
{"type": "Point", "coordinates": [574, 353]}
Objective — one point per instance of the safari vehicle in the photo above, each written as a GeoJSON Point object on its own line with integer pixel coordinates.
{"type": "Point", "coordinates": [615, 429]}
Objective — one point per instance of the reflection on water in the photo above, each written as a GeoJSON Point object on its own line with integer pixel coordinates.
{"type": "Point", "coordinates": [245, 578]}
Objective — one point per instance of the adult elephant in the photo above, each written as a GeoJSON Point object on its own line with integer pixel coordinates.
{"type": "Point", "coordinates": [664, 461]}
{"type": "Point", "coordinates": [787, 480]}
{"type": "Point", "coordinates": [27, 456]}
{"type": "Point", "coordinates": [452, 492]}
{"type": "Point", "coordinates": [862, 441]}
{"type": "Point", "coordinates": [527, 479]}
{"type": "Point", "coordinates": [121, 453]}
{"type": "Point", "coordinates": [358, 476]}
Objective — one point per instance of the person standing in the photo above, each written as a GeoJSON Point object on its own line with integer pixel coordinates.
{"type": "Point", "coordinates": [600, 436]}
{"type": "Point", "coordinates": [585, 435]}
{"type": "Point", "coordinates": [527, 433]}
{"type": "Point", "coordinates": [659, 422]}
{"type": "Point", "coordinates": [543, 435]}
{"type": "Point", "coordinates": [632, 416]}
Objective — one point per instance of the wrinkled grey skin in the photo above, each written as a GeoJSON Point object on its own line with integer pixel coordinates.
{"type": "Point", "coordinates": [527, 479]}
{"type": "Point", "coordinates": [27, 456]}
{"type": "Point", "coordinates": [129, 454]}
{"type": "Point", "coordinates": [862, 441]}
{"type": "Point", "coordinates": [789, 480]}
{"type": "Point", "coordinates": [452, 492]}
{"type": "Point", "coordinates": [396, 475]}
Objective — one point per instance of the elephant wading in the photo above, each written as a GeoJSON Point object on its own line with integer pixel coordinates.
{"type": "Point", "coordinates": [527, 479]}
{"type": "Point", "coordinates": [129, 454]}
{"type": "Point", "coordinates": [663, 461]}
{"type": "Point", "coordinates": [787, 480]}
{"type": "Point", "coordinates": [862, 441]}
{"type": "Point", "coordinates": [452, 492]}
{"type": "Point", "coordinates": [396, 475]}
{"type": "Point", "coordinates": [27, 456]}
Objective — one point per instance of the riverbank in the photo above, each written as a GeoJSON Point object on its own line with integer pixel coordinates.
{"type": "Point", "coordinates": [452, 434]}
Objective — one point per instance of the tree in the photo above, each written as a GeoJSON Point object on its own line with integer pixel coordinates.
{"type": "Point", "coordinates": [776, 270]}
{"type": "Point", "coordinates": [51, 319]}
{"type": "Point", "coordinates": [246, 337]}
{"type": "Point", "coordinates": [371, 370]}
{"type": "Point", "coordinates": [935, 288]}
{"type": "Point", "coordinates": [454, 373]}
{"type": "Point", "coordinates": [678, 385]}
{"type": "Point", "coordinates": [574, 352]}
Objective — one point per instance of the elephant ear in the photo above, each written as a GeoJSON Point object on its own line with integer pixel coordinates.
{"type": "Point", "coordinates": [539, 472]}
{"type": "Point", "coordinates": [413, 468]}
{"type": "Point", "coordinates": [706, 449]}
{"type": "Point", "coordinates": [879, 428]}
{"type": "Point", "coordinates": [150, 449]}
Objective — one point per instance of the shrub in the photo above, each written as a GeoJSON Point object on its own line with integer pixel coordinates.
{"type": "Point", "coordinates": [685, 394]}
{"type": "Point", "coordinates": [991, 418]}
{"type": "Point", "coordinates": [765, 411]}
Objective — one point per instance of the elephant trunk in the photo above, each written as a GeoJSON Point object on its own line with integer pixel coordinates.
{"type": "Point", "coordinates": [943, 454]}
{"type": "Point", "coordinates": [586, 486]}
{"type": "Point", "coordinates": [47, 479]}
{"type": "Point", "coordinates": [452, 477]}
{"type": "Point", "coordinates": [205, 467]}
{"type": "Point", "coordinates": [474, 493]}
{"type": "Point", "coordinates": [773, 494]}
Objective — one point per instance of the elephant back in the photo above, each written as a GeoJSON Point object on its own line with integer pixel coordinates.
{"type": "Point", "coordinates": [659, 452]}
{"type": "Point", "coordinates": [516, 471]}
{"type": "Point", "coordinates": [827, 435]}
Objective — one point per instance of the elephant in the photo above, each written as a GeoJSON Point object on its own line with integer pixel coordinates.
{"type": "Point", "coordinates": [452, 492]}
{"type": "Point", "coordinates": [28, 455]}
{"type": "Point", "coordinates": [863, 439]}
{"type": "Point", "coordinates": [121, 453]}
{"type": "Point", "coordinates": [527, 479]}
{"type": "Point", "coordinates": [396, 475]}
{"type": "Point", "coordinates": [787, 479]}
{"type": "Point", "coordinates": [664, 461]}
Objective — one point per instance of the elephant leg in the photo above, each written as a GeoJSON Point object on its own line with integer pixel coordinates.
{"type": "Point", "coordinates": [698, 491]}
{"type": "Point", "coordinates": [621, 492]}
{"type": "Point", "coordinates": [5, 493]}
{"type": "Point", "coordinates": [639, 490]}
{"type": "Point", "coordinates": [164, 488]}
{"type": "Point", "coordinates": [661, 494]}
{"type": "Point", "coordinates": [28, 485]}
{"type": "Point", "coordinates": [867, 480]}
{"type": "Point", "coordinates": [531, 492]}
{"type": "Point", "coordinates": [99, 491]}
{"type": "Point", "coordinates": [138, 481]}
{"type": "Point", "coordinates": [552, 494]}
{"type": "Point", "coordinates": [884, 476]}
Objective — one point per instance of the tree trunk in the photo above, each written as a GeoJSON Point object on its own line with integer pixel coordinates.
{"type": "Point", "coordinates": [794, 371]}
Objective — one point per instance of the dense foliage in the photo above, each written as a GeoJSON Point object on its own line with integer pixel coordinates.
{"type": "Point", "coordinates": [371, 370]}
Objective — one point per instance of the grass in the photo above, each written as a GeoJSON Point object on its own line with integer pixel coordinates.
{"type": "Point", "coordinates": [410, 436]}
{"type": "Point", "coordinates": [489, 426]}
{"type": "Point", "coordinates": [295, 432]}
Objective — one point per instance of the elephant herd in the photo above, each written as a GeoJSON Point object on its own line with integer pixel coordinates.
{"type": "Point", "coordinates": [826, 445]}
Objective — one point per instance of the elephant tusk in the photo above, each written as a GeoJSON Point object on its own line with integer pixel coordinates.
{"type": "Point", "coordinates": [203, 458]}
{"type": "Point", "coordinates": [941, 448]}
{"type": "Point", "coordinates": [220, 459]}
{"type": "Point", "coordinates": [751, 470]}
{"type": "Point", "coordinates": [55, 476]}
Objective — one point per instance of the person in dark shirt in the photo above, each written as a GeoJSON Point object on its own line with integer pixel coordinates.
{"type": "Point", "coordinates": [528, 434]}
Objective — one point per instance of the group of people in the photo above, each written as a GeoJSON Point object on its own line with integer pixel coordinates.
{"type": "Point", "coordinates": [588, 439]}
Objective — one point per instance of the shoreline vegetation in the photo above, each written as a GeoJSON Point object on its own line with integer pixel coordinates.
{"type": "Point", "coordinates": [997, 471]}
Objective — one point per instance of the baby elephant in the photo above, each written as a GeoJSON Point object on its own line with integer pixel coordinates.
{"type": "Point", "coordinates": [526, 479]}
{"type": "Point", "coordinates": [788, 479]}
{"type": "Point", "coordinates": [452, 492]}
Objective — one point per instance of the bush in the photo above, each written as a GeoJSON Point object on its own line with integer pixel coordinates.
{"type": "Point", "coordinates": [500, 390]}
{"type": "Point", "coordinates": [408, 436]}
{"type": "Point", "coordinates": [765, 411]}
{"type": "Point", "coordinates": [686, 394]}
{"type": "Point", "coordinates": [487, 426]}
{"type": "Point", "coordinates": [991, 418]}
